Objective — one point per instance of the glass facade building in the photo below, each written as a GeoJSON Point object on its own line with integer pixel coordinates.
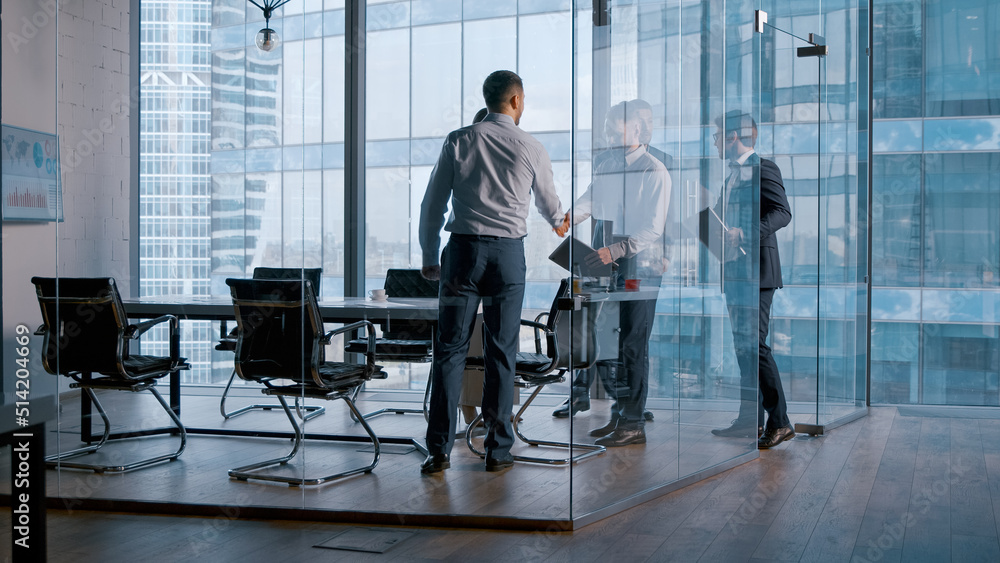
{"type": "Point", "coordinates": [935, 203]}
{"type": "Point", "coordinates": [175, 230]}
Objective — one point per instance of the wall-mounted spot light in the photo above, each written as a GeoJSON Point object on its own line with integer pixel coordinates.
{"type": "Point", "coordinates": [267, 38]}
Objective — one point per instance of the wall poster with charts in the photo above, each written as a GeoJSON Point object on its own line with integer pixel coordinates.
{"type": "Point", "coordinates": [32, 186]}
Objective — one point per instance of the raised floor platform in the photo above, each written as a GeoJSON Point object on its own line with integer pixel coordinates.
{"type": "Point", "coordinates": [680, 450]}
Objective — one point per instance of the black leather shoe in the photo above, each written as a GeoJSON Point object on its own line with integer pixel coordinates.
{"type": "Point", "coordinates": [738, 429]}
{"type": "Point", "coordinates": [774, 436]}
{"type": "Point", "coordinates": [499, 462]}
{"type": "Point", "coordinates": [647, 415]}
{"type": "Point", "coordinates": [624, 435]}
{"type": "Point", "coordinates": [435, 463]}
{"type": "Point", "coordinates": [604, 430]}
{"type": "Point", "coordinates": [580, 404]}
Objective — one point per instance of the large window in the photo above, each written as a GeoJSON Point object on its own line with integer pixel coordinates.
{"type": "Point", "coordinates": [936, 203]}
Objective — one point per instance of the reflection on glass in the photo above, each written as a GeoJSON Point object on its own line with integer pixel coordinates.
{"type": "Point", "coordinates": [628, 202]}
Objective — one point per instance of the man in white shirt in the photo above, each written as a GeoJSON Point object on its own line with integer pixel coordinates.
{"type": "Point", "coordinates": [487, 171]}
{"type": "Point", "coordinates": [628, 199]}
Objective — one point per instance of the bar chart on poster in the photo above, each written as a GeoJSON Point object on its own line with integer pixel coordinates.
{"type": "Point", "coordinates": [31, 183]}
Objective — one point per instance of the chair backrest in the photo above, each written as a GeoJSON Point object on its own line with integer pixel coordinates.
{"type": "Point", "coordinates": [409, 283]}
{"type": "Point", "coordinates": [314, 275]}
{"type": "Point", "coordinates": [576, 340]}
{"type": "Point", "coordinates": [279, 329]}
{"type": "Point", "coordinates": [84, 323]}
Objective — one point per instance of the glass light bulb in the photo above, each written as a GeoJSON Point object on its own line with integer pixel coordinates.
{"type": "Point", "coordinates": [267, 39]}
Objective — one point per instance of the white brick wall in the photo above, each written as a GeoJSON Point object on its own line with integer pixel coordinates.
{"type": "Point", "coordinates": [93, 113]}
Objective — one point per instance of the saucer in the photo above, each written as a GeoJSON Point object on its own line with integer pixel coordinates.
{"type": "Point", "coordinates": [379, 300]}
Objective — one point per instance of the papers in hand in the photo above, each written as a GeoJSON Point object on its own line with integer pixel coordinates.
{"type": "Point", "coordinates": [561, 256]}
{"type": "Point", "coordinates": [712, 232]}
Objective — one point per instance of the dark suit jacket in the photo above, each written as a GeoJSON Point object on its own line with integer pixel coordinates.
{"type": "Point", "coordinates": [775, 213]}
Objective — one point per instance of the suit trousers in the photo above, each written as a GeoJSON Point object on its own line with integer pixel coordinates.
{"type": "Point", "coordinates": [477, 269]}
{"type": "Point", "coordinates": [626, 380]}
{"type": "Point", "coordinates": [766, 393]}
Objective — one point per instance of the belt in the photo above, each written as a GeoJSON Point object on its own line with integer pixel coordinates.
{"type": "Point", "coordinates": [482, 237]}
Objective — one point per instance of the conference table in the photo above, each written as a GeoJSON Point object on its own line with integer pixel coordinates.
{"type": "Point", "coordinates": [220, 308]}
{"type": "Point", "coordinates": [332, 310]}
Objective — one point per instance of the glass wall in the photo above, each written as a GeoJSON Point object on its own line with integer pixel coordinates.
{"type": "Point", "coordinates": [683, 297]}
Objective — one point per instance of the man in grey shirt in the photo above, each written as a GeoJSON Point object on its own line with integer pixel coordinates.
{"type": "Point", "coordinates": [488, 172]}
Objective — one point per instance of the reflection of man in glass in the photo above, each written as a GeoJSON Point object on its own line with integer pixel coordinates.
{"type": "Point", "coordinates": [628, 198]}
{"type": "Point", "coordinates": [488, 172]}
{"type": "Point", "coordinates": [580, 396]}
{"type": "Point", "coordinates": [750, 310]}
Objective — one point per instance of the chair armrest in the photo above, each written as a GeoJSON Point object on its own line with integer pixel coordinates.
{"type": "Point", "coordinates": [369, 329]}
{"type": "Point", "coordinates": [539, 328]}
{"type": "Point", "coordinates": [135, 331]}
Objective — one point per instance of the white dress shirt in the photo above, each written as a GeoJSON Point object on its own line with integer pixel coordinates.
{"type": "Point", "coordinates": [635, 197]}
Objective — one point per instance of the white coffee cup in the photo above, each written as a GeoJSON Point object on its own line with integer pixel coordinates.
{"type": "Point", "coordinates": [377, 295]}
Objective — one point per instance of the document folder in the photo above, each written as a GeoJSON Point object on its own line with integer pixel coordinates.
{"type": "Point", "coordinates": [561, 256]}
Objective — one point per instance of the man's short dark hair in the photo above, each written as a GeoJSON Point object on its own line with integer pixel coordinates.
{"type": "Point", "coordinates": [741, 123]}
{"type": "Point", "coordinates": [499, 86]}
{"type": "Point", "coordinates": [640, 105]}
{"type": "Point", "coordinates": [623, 111]}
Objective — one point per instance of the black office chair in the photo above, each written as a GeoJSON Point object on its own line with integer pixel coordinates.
{"type": "Point", "coordinates": [87, 333]}
{"type": "Point", "coordinates": [227, 342]}
{"type": "Point", "coordinates": [403, 340]}
{"type": "Point", "coordinates": [547, 364]}
{"type": "Point", "coordinates": [281, 344]}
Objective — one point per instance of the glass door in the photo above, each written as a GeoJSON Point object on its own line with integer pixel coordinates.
{"type": "Point", "coordinates": [656, 86]}
{"type": "Point", "coordinates": [809, 130]}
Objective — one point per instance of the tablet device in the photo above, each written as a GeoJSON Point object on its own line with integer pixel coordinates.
{"type": "Point", "coordinates": [580, 252]}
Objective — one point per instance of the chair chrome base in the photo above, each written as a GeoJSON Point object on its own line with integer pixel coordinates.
{"type": "Point", "coordinates": [247, 471]}
{"type": "Point", "coordinates": [57, 460]}
{"type": "Point", "coordinates": [424, 410]}
{"type": "Point", "coordinates": [313, 410]}
{"type": "Point", "coordinates": [589, 450]}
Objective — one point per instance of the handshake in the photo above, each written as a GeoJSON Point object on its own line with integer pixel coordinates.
{"type": "Point", "coordinates": [561, 230]}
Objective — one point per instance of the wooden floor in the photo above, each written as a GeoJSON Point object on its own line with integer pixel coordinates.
{"type": "Point", "coordinates": [679, 443]}
{"type": "Point", "coordinates": [900, 485]}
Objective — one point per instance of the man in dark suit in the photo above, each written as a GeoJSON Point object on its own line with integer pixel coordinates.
{"type": "Point", "coordinates": [750, 314]}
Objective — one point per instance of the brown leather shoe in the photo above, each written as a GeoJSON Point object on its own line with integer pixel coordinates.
{"type": "Point", "coordinates": [774, 436]}
{"type": "Point", "coordinates": [625, 434]}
